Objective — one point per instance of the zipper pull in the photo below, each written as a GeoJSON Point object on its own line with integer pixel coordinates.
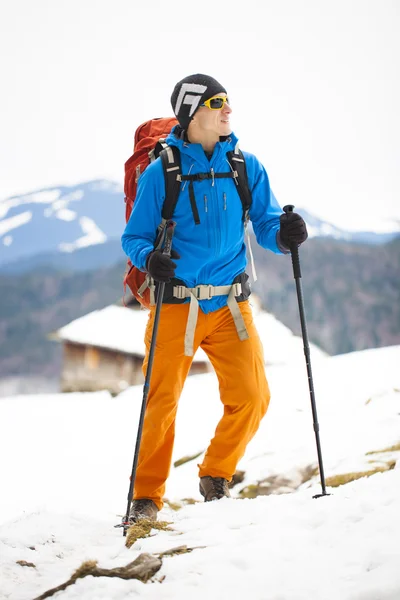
{"type": "Point", "coordinates": [224, 201]}
{"type": "Point", "coordinates": [212, 176]}
{"type": "Point", "coordinates": [205, 204]}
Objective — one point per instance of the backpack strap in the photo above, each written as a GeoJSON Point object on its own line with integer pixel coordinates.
{"type": "Point", "coordinates": [171, 162]}
{"type": "Point", "coordinates": [238, 165]}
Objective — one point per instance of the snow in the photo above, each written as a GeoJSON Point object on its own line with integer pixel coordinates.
{"type": "Point", "coordinates": [106, 185]}
{"type": "Point", "coordinates": [65, 477]}
{"type": "Point", "coordinates": [94, 235]}
{"type": "Point", "coordinates": [44, 197]}
{"type": "Point", "coordinates": [60, 209]}
{"type": "Point", "coordinates": [325, 229]}
{"type": "Point", "coordinates": [65, 214]}
{"type": "Point", "coordinates": [7, 225]}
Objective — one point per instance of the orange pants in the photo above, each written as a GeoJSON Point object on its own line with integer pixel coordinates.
{"type": "Point", "coordinates": [243, 387]}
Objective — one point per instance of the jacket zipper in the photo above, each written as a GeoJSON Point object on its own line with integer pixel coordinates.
{"type": "Point", "coordinates": [207, 223]}
{"type": "Point", "coordinates": [218, 224]}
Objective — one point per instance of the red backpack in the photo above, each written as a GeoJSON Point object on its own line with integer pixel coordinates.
{"type": "Point", "coordinates": [149, 145]}
{"type": "Point", "coordinates": [149, 142]}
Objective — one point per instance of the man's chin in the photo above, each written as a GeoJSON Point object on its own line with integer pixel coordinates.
{"type": "Point", "coordinates": [226, 130]}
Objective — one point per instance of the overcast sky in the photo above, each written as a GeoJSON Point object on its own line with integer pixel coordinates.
{"type": "Point", "coordinates": [314, 87]}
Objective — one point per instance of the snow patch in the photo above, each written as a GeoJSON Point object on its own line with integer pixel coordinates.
{"type": "Point", "coordinates": [13, 222]}
{"type": "Point", "coordinates": [104, 185]}
{"type": "Point", "coordinates": [45, 197]}
{"type": "Point", "coordinates": [93, 236]}
{"type": "Point", "coordinates": [325, 229]}
{"type": "Point", "coordinates": [65, 214]}
{"type": "Point", "coordinates": [73, 196]}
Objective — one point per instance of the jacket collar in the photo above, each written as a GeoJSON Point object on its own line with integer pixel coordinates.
{"type": "Point", "coordinates": [195, 151]}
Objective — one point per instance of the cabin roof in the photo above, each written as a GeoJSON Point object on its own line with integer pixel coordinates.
{"type": "Point", "coordinates": [114, 328]}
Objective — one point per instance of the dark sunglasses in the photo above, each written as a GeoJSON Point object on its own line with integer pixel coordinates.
{"type": "Point", "coordinates": [216, 103]}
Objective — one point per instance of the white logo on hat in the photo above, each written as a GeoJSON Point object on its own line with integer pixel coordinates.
{"type": "Point", "coordinates": [185, 97]}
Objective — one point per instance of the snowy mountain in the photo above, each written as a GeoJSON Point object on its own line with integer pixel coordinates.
{"type": "Point", "coordinates": [60, 220]}
{"type": "Point", "coordinates": [319, 228]}
{"type": "Point", "coordinates": [61, 511]}
{"type": "Point", "coordinates": [80, 226]}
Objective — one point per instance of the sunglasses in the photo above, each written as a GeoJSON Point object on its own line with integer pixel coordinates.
{"type": "Point", "coordinates": [216, 103]}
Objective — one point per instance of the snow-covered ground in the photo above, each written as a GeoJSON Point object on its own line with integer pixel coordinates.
{"type": "Point", "coordinates": [66, 461]}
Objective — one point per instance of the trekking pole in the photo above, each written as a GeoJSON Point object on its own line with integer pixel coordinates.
{"type": "Point", "coordinates": [169, 232]}
{"type": "Point", "coordinates": [294, 250]}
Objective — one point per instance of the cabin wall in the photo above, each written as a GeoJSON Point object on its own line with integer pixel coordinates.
{"type": "Point", "coordinates": [88, 368]}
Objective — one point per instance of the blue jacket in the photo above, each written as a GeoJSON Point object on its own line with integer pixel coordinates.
{"type": "Point", "coordinates": [212, 252]}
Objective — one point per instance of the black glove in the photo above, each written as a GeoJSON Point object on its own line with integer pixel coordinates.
{"type": "Point", "coordinates": [293, 229]}
{"type": "Point", "coordinates": [160, 266]}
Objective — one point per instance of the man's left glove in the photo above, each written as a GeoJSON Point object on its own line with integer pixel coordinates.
{"type": "Point", "coordinates": [293, 229]}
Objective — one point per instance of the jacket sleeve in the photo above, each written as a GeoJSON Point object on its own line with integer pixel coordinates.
{"type": "Point", "coordinates": [141, 230]}
{"type": "Point", "coordinates": [265, 210]}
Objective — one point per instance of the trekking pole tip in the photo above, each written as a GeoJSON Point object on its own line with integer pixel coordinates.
{"type": "Point", "coordinates": [322, 495]}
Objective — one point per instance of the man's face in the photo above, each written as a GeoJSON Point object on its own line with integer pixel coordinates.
{"type": "Point", "coordinates": [215, 120]}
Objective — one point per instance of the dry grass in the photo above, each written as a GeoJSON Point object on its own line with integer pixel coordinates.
{"type": "Point", "coordinates": [143, 568]}
{"type": "Point", "coordinates": [186, 459]}
{"type": "Point", "coordinates": [394, 448]}
{"type": "Point", "coordinates": [143, 528]}
{"type": "Point", "coordinates": [24, 563]}
{"type": "Point", "coordinates": [178, 505]}
{"type": "Point", "coordinates": [342, 479]}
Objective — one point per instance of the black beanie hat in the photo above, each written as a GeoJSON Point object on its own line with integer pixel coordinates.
{"type": "Point", "coordinates": [190, 92]}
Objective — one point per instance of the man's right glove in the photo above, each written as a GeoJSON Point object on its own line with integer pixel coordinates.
{"type": "Point", "coordinates": [160, 266]}
{"type": "Point", "coordinates": [293, 229]}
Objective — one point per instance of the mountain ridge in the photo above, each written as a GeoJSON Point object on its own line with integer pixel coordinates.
{"type": "Point", "coordinates": [70, 225]}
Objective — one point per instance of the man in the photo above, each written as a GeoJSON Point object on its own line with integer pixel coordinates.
{"type": "Point", "coordinates": [206, 295]}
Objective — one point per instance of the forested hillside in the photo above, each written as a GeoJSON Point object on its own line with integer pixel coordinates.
{"type": "Point", "coordinates": [351, 294]}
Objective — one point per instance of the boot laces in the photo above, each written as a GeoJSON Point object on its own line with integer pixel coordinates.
{"type": "Point", "coordinates": [219, 485]}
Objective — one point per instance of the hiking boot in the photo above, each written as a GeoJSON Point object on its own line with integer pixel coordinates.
{"type": "Point", "coordinates": [214, 488]}
{"type": "Point", "coordinates": [144, 508]}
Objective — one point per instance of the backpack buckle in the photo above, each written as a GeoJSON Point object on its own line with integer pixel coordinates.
{"type": "Point", "coordinates": [203, 176]}
{"type": "Point", "coordinates": [237, 289]}
{"type": "Point", "coordinates": [204, 292]}
{"type": "Point", "coordinates": [179, 291]}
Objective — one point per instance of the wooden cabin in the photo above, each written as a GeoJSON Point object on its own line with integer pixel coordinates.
{"type": "Point", "coordinates": [104, 350]}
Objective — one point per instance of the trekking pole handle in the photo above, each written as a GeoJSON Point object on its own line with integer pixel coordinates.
{"type": "Point", "coordinates": [169, 233]}
{"type": "Point", "coordinates": [288, 208]}
{"type": "Point", "coordinates": [293, 247]}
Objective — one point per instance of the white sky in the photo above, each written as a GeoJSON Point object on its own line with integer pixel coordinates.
{"type": "Point", "coordinates": [314, 86]}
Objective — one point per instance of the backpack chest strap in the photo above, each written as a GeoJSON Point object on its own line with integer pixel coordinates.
{"type": "Point", "coordinates": [206, 292]}
{"type": "Point", "coordinates": [207, 175]}
{"type": "Point", "coordinates": [201, 177]}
